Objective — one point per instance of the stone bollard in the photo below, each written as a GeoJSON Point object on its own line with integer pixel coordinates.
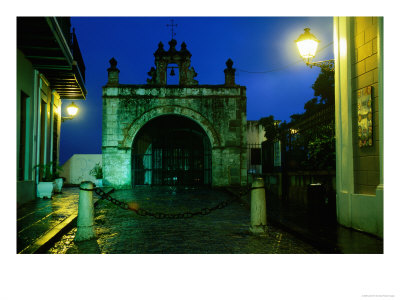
{"type": "Point", "coordinates": [258, 217]}
{"type": "Point", "coordinates": [85, 223]}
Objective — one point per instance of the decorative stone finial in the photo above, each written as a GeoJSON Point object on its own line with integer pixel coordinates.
{"type": "Point", "coordinates": [153, 74]}
{"type": "Point", "coordinates": [191, 74]}
{"type": "Point", "coordinates": [113, 72]}
{"type": "Point", "coordinates": [113, 63]}
{"type": "Point", "coordinates": [160, 51]}
{"type": "Point", "coordinates": [229, 73]}
{"type": "Point", "coordinates": [172, 44]}
{"type": "Point", "coordinates": [184, 51]}
{"type": "Point", "coordinates": [229, 63]}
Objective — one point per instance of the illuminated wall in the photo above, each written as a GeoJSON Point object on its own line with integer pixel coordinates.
{"type": "Point", "coordinates": [365, 53]}
{"type": "Point", "coordinates": [38, 126]}
{"type": "Point", "coordinates": [359, 163]}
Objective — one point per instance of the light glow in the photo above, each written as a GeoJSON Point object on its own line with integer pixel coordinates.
{"type": "Point", "coordinates": [307, 44]}
{"type": "Point", "coordinates": [307, 48]}
{"type": "Point", "coordinates": [72, 109]}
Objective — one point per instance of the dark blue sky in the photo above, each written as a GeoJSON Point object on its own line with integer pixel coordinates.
{"type": "Point", "coordinates": [254, 44]}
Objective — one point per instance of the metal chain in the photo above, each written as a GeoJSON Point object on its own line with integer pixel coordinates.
{"type": "Point", "coordinates": [107, 196]}
{"type": "Point", "coordinates": [159, 215]}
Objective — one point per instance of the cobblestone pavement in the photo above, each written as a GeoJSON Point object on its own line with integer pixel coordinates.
{"type": "Point", "coordinates": [37, 217]}
{"type": "Point", "coordinates": [223, 231]}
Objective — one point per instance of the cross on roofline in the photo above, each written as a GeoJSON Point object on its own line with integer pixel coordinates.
{"type": "Point", "coordinates": [172, 25]}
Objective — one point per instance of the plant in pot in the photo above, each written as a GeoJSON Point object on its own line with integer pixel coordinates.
{"type": "Point", "coordinates": [97, 172]}
{"type": "Point", "coordinates": [58, 180]}
{"type": "Point", "coordinates": [45, 185]}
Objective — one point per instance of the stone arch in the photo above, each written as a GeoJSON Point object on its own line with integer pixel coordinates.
{"type": "Point", "coordinates": [139, 122]}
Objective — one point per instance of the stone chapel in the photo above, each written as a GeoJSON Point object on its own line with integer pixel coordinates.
{"type": "Point", "coordinates": [184, 134]}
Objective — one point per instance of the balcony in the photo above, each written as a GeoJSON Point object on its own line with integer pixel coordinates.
{"type": "Point", "coordinates": [54, 51]}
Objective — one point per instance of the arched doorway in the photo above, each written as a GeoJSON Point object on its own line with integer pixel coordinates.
{"type": "Point", "coordinates": [171, 150]}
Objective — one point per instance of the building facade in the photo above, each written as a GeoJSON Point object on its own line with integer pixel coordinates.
{"type": "Point", "coordinates": [182, 134]}
{"type": "Point", "coordinates": [50, 68]}
{"type": "Point", "coordinates": [359, 122]}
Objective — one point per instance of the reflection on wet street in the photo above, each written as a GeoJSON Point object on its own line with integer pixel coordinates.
{"type": "Point", "coordinates": [37, 217]}
{"type": "Point", "coordinates": [224, 230]}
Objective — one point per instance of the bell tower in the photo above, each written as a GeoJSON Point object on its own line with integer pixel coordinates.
{"type": "Point", "coordinates": [181, 58]}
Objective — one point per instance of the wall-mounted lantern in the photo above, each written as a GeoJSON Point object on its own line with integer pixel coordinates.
{"type": "Point", "coordinates": [307, 44]}
{"type": "Point", "coordinates": [72, 110]}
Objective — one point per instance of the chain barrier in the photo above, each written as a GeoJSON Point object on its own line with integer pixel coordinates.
{"type": "Point", "coordinates": [159, 215]}
{"type": "Point", "coordinates": [107, 196]}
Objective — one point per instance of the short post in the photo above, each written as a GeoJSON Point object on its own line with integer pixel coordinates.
{"type": "Point", "coordinates": [85, 223]}
{"type": "Point", "coordinates": [258, 216]}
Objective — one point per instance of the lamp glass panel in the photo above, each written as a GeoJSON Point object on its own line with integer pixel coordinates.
{"type": "Point", "coordinates": [72, 110]}
{"type": "Point", "coordinates": [307, 48]}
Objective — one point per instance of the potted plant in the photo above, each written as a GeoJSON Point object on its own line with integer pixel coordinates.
{"type": "Point", "coordinates": [45, 185]}
{"type": "Point", "coordinates": [97, 172]}
{"type": "Point", "coordinates": [57, 179]}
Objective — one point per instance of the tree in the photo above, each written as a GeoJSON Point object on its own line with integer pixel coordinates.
{"type": "Point", "coordinates": [319, 141]}
{"type": "Point", "coordinates": [271, 128]}
{"type": "Point", "coordinates": [324, 92]}
{"type": "Point", "coordinates": [324, 87]}
{"type": "Point", "coordinates": [313, 145]}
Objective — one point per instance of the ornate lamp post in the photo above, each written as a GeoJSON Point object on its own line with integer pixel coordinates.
{"type": "Point", "coordinates": [72, 110]}
{"type": "Point", "coordinates": [307, 44]}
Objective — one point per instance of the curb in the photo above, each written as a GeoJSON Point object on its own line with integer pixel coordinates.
{"type": "Point", "coordinates": [49, 238]}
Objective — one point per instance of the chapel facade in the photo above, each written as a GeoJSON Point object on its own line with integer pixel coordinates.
{"type": "Point", "coordinates": [184, 134]}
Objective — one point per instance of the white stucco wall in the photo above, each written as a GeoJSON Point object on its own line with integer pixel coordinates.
{"type": "Point", "coordinates": [78, 167]}
{"type": "Point", "coordinates": [255, 136]}
{"type": "Point", "coordinates": [255, 133]}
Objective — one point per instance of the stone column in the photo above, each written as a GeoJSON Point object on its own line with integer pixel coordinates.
{"type": "Point", "coordinates": [85, 223]}
{"type": "Point", "coordinates": [258, 217]}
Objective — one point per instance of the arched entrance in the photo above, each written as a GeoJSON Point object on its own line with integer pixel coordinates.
{"type": "Point", "coordinates": [171, 150]}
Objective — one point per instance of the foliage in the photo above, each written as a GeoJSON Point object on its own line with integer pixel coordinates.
{"type": "Point", "coordinates": [324, 90]}
{"type": "Point", "coordinates": [324, 87]}
{"type": "Point", "coordinates": [312, 148]}
{"type": "Point", "coordinates": [274, 129]}
{"type": "Point", "coordinates": [50, 171]}
{"type": "Point", "coordinates": [97, 171]}
{"type": "Point", "coordinates": [321, 152]}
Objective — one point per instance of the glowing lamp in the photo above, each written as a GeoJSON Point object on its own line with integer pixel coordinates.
{"type": "Point", "coordinates": [72, 109]}
{"type": "Point", "coordinates": [307, 44]}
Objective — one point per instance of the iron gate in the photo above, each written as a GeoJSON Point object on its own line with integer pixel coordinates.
{"type": "Point", "coordinates": [176, 152]}
{"type": "Point", "coordinates": [172, 166]}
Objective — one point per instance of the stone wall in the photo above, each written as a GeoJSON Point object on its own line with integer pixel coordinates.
{"type": "Point", "coordinates": [78, 167]}
{"type": "Point", "coordinates": [365, 73]}
{"type": "Point", "coordinates": [219, 109]}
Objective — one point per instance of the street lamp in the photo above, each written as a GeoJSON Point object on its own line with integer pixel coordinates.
{"type": "Point", "coordinates": [72, 110]}
{"type": "Point", "coordinates": [307, 44]}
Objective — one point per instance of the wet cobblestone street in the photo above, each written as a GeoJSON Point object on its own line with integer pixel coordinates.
{"type": "Point", "coordinates": [36, 217]}
{"type": "Point", "coordinates": [223, 231]}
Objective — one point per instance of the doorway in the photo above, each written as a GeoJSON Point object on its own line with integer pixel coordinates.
{"type": "Point", "coordinates": [171, 150]}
